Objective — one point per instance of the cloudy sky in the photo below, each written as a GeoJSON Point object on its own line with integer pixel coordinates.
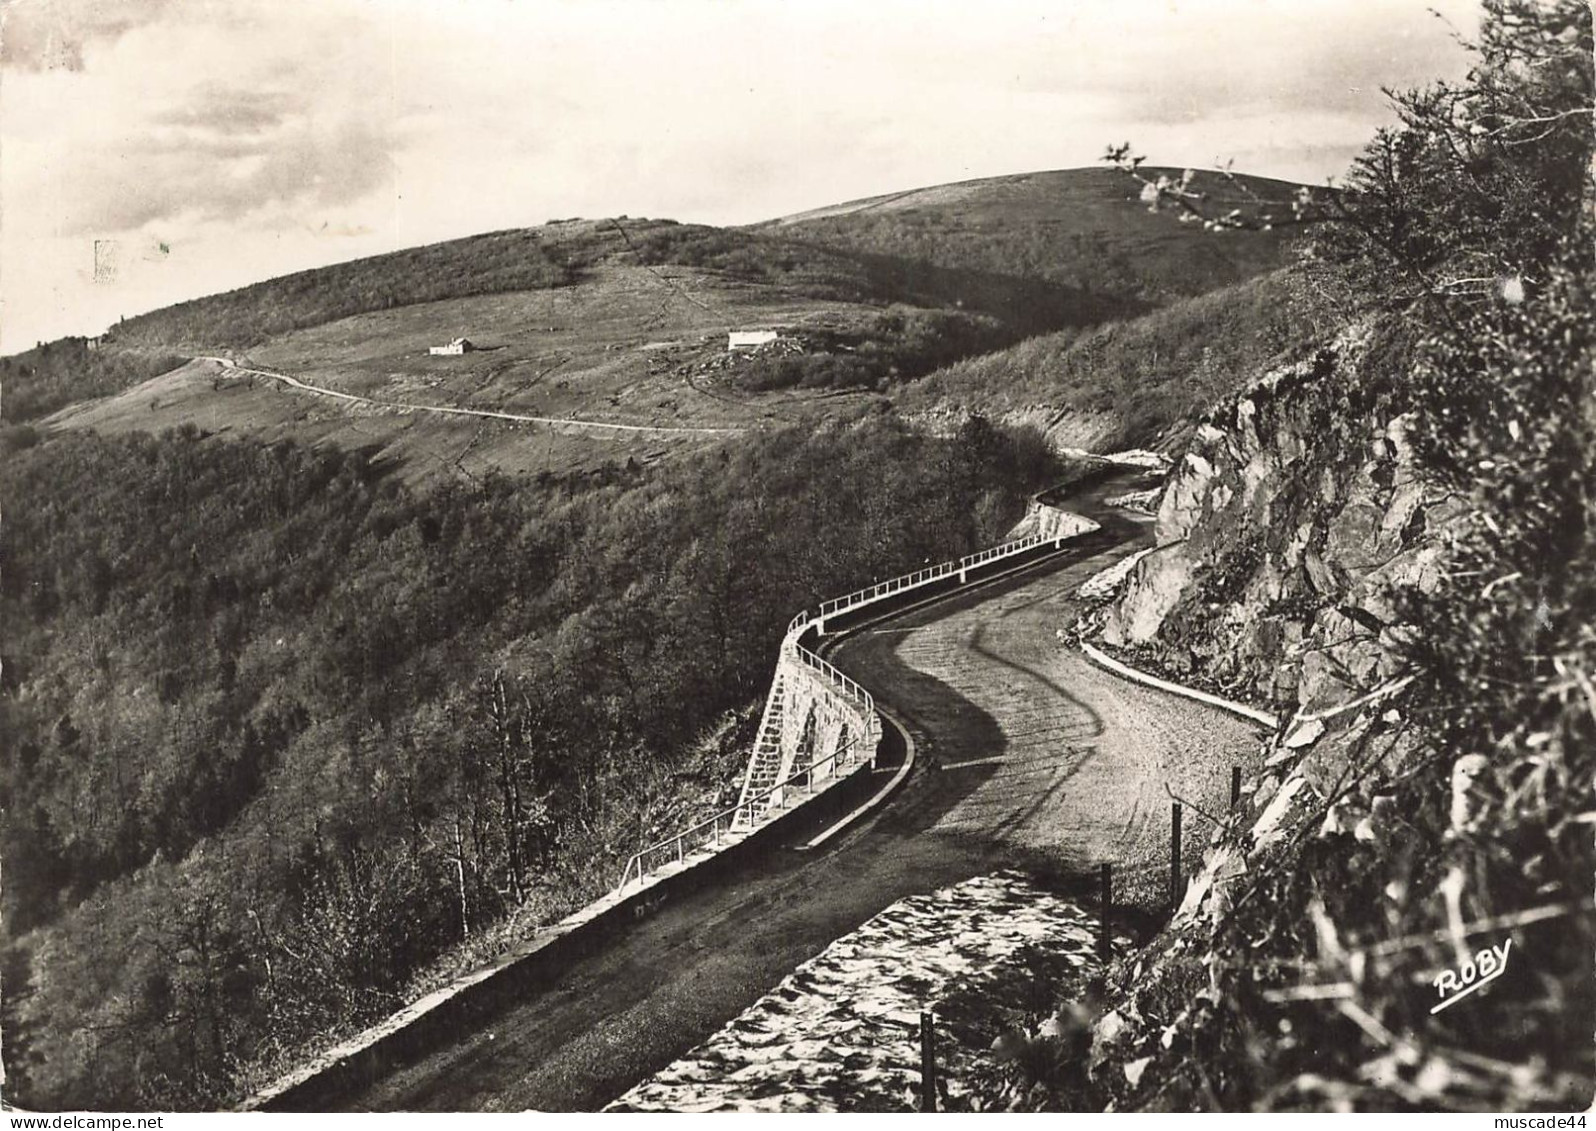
{"type": "Point", "coordinates": [154, 150]}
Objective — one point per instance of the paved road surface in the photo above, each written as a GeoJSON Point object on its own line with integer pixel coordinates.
{"type": "Point", "coordinates": [1028, 758]}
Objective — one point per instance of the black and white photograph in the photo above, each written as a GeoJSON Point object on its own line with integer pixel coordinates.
{"type": "Point", "coordinates": [796, 556]}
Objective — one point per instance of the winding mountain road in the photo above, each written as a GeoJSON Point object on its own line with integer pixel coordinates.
{"type": "Point", "coordinates": [482, 413]}
{"type": "Point", "coordinates": [1027, 756]}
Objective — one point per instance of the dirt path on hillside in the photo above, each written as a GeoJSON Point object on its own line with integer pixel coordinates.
{"type": "Point", "coordinates": [1028, 760]}
{"type": "Point", "coordinates": [481, 413]}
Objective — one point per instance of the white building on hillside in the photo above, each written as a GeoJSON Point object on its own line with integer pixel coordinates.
{"type": "Point", "coordinates": [749, 339]}
{"type": "Point", "coordinates": [453, 349]}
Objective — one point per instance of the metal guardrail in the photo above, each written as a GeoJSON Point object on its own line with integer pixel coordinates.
{"type": "Point", "coordinates": [848, 687]}
{"type": "Point", "coordinates": [861, 597]}
{"type": "Point", "coordinates": [710, 831]}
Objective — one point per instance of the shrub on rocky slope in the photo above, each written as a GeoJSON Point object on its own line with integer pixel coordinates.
{"type": "Point", "coordinates": [1394, 541]}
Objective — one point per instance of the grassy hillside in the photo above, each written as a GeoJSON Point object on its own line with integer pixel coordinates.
{"type": "Point", "coordinates": [564, 253]}
{"type": "Point", "coordinates": [1137, 379]}
{"type": "Point", "coordinates": [486, 264]}
{"type": "Point", "coordinates": [616, 320]}
{"type": "Point", "coordinates": [628, 345]}
{"type": "Point", "coordinates": [1081, 229]}
{"type": "Point", "coordinates": [1038, 250]}
{"type": "Point", "coordinates": [623, 320]}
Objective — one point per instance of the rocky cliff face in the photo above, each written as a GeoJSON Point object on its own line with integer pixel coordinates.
{"type": "Point", "coordinates": [1296, 537]}
{"type": "Point", "coordinates": [1285, 534]}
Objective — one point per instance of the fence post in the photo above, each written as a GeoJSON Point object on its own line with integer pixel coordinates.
{"type": "Point", "coordinates": [1235, 786]}
{"type": "Point", "coordinates": [1174, 858]}
{"type": "Point", "coordinates": [1105, 943]}
{"type": "Point", "coordinates": [928, 1062]}
{"type": "Point", "coordinates": [678, 848]}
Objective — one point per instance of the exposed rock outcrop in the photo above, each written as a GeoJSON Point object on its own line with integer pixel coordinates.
{"type": "Point", "coordinates": [1288, 535]}
{"type": "Point", "coordinates": [1283, 533]}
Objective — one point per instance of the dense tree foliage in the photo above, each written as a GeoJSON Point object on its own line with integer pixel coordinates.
{"type": "Point", "coordinates": [487, 264]}
{"type": "Point", "coordinates": [897, 345]}
{"type": "Point", "coordinates": [1481, 207]}
{"type": "Point", "coordinates": [282, 738]}
{"type": "Point", "coordinates": [1482, 182]}
{"type": "Point", "coordinates": [1469, 242]}
{"type": "Point", "coordinates": [1476, 216]}
{"type": "Point", "coordinates": [54, 374]}
{"type": "Point", "coordinates": [1151, 373]}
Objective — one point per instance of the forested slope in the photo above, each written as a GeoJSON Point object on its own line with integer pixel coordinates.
{"type": "Point", "coordinates": [36, 382]}
{"type": "Point", "coordinates": [280, 732]}
{"type": "Point", "coordinates": [1139, 381]}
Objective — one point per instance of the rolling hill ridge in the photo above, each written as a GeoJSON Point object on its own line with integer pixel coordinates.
{"type": "Point", "coordinates": [623, 321]}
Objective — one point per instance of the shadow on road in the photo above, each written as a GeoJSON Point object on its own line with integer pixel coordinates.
{"type": "Point", "coordinates": [660, 985]}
